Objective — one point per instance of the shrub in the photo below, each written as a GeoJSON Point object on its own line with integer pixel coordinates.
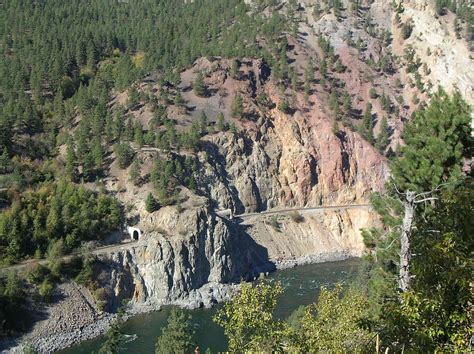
{"type": "Point", "coordinates": [296, 217]}
{"type": "Point", "coordinates": [373, 93]}
{"type": "Point", "coordinates": [284, 106]}
{"type": "Point", "coordinates": [100, 297]}
{"type": "Point", "coordinates": [36, 273]}
{"type": "Point", "coordinates": [46, 290]}
{"type": "Point", "coordinates": [407, 29]}
{"type": "Point", "coordinates": [275, 223]}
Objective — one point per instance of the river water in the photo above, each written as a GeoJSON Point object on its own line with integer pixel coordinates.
{"type": "Point", "coordinates": [301, 287]}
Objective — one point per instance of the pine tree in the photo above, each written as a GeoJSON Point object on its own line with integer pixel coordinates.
{"type": "Point", "coordinates": [151, 204]}
{"type": "Point", "coordinates": [138, 135]}
{"type": "Point", "coordinates": [4, 161]}
{"type": "Point", "coordinates": [178, 100]}
{"type": "Point", "coordinates": [383, 137]}
{"type": "Point", "coordinates": [97, 154]}
{"type": "Point", "coordinates": [199, 86]}
{"type": "Point", "coordinates": [203, 122]}
{"type": "Point", "coordinates": [177, 335]}
{"type": "Point", "coordinates": [220, 124]}
{"type": "Point", "coordinates": [347, 102]}
{"type": "Point", "coordinates": [437, 139]}
{"type": "Point", "coordinates": [71, 163]}
{"type": "Point", "coordinates": [367, 119]}
{"type": "Point", "coordinates": [134, 172]}
{"type": "Point", "coordinates": [113, 336]}
{"type": "Point", "coordinates": [237, 106]}
{"type": "Point", "coordinates": [234, 69]}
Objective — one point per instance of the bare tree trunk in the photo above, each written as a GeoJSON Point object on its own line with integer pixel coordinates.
{"type": "Point", "coordinates": [405, 247]}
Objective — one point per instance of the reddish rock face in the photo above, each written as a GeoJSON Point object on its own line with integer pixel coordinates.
{"type": "Point", "coordinates": [281, 159]}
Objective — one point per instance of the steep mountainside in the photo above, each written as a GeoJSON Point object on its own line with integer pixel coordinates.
{"type": "Point", "coordinates": [311, 120]}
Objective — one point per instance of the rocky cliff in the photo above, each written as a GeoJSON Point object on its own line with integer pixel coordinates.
{"type": "Point", "coordinates": [277, 159]}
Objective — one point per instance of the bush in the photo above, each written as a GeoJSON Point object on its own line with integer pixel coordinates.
{"type": "Point", "coordinates": [86, 275]}
{"type": "Point", "coordinates": [407, 29]}
{"type": "Point", "coordinates": [46, 290]}
{"type": "Point", "coordinates": [36, 273]}
{"type": "Point", "coordinates": [373, 93]}
{"type": "Point", "coordinates": [275, 223]}
{"type": "Point", "coordinates": [284, 106]}
{"type": "Point", "coordinates": [100, 297]}
{"type": "Point", "coordinates": [296, 217]}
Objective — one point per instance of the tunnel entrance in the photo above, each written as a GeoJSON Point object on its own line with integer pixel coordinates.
{"type": "Point", "coordinates": [134, 233]}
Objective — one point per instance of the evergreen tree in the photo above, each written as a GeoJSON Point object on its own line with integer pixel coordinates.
{"type": "Point", "coordinates": [347, 102]}
{"type": "Point", "coordinates": [138, 135]}
{"type": "Point", "coordinates": [237, 106]}
{"type": "Point", "coordinates": [199, 86]}
{"type": "Point", "coordinates": [203, 123]}
{"type": "Point", "coordinates": [177, 335]}
{"type": "Point", "coordinates": [4, 161]}
{"type": "Point", "coordinates": [124, 155]}
{"type": "Point", "coordinates": [437, 139]}
{"type": "Point", "coordinates": [179, 101]}
{"type": "Point", "coordinates": [71, 171]}
{"type": "Point", "coordinates": [220, 124]}
{"type": "Point", "coordinates": [134, 172]}
{"type": "Point", "coordinates": [151, 204]}
{"type": "Point", "coordinates": [234, 69]}
{"type": "Point", "coordinates": [113, 336]}
{"type": "Point", "coordinates": [383, 137]}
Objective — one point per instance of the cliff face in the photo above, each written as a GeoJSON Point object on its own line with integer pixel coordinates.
{"type": "Point", "coordinates": [202, 266]}
{"type": "Point", "coordinates": [275, 159]}
{"type": "Point", "coordinates": [168, 265]}
{"type": "Point", "coordinates": [279, 160]}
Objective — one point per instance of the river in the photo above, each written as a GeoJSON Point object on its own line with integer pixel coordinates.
{"type": "Point", "coordinates": [301, 287]}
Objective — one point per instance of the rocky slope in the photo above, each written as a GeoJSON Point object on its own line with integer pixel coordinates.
{"type": "Point", "coordinates": [191, 256]}
{"type": "Point", "coordinates": [277, 159]}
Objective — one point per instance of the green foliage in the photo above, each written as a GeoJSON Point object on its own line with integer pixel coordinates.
{"type": "Point", "coordinates": [437, 310]}
{"type": "Point", "coordinates": [368, 124]}
{"type": "Point", "coordinates": [220, 123]}
{"type": "Point", "coordinates": [274, 223]}
{"type": "Point", "coordinates": [46, 290]}
{"type": "Point", "coordinates": [55, 211]}
{"type": "Point", "coordinates": [14, 307]}
{"type": "Point", "coordinates": [383, 137]}
{"type": "Point", "coordinates": [179, 101]}
{"type": "Point", "coordinates": [437, 139]}
{"type": "Point", "coordinates": [284, 106]}
{"type": "Point", "coordinates": [237, 109]}
{"type": "Point", "coordinates": [336, 323]}
{"type": "Point", "coordinates": [124, 155]}
{"type": "Point", "coordinates": [234, 69]}
{"type": "Point", "coordinates": [135, 173]}
{"type": "Point", "coordinates": [407, 29]}
{"type": "Point", "coordinates": [177, 335]}
{"type": "Point", "coordinates": [434, 314]}
{"type": "Point", "coordinates": [113, 337]}
{"type": "Point", "coordinates": [373, 93]}
{"type": "Point", "coordinates": [248, 319]}
{"type": "Point", "coordinates": [151, 204]}
{"type": "Point", "coordinates": [199, 86]}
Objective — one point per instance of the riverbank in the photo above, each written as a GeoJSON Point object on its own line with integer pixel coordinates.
{"type": "Point", "coordinates": [74, 318]}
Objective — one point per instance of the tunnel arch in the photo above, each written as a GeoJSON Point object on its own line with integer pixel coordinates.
{"type": "Point", "coordinates": [134, 233]}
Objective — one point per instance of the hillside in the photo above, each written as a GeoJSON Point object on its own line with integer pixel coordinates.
{"type": "Point", "coordinates": [192, 108]}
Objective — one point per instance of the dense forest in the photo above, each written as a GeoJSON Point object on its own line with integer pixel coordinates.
{"type": "Point", "coordinates": [60, 64]}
